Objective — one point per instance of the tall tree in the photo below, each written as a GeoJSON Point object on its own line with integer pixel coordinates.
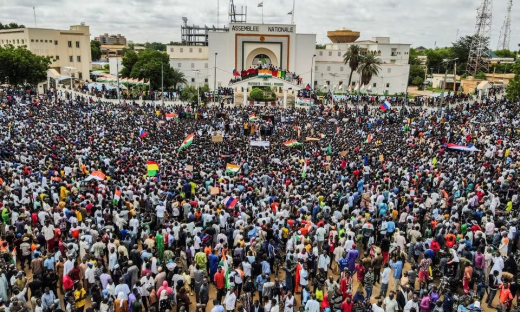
{"type": "Point", "coordinates": [353, 58]}
{"type": "Point", "coordinates": [513, 88]}
{"type": "Point", "coordinates": [95, 50]}
{"type": "Point", "coordinates": [369, 67]}
{"type": "Point", "coordinates": [11, 26]}
{"type": "Point", "coordinates": [155, 46]}
{"type": "Point", "coordinates": [20, 66]}
{"type": "Point", "coordinates": [415, 71]}
{"type": "Point", "coordinates": [147, 65]}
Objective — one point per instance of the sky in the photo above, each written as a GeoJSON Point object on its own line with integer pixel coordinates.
{"type": "Point", "coordinates": [427, 23]}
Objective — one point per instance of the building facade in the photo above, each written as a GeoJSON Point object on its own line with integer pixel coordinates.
{"type": "Point", "coordinates": [111, 39]}
{"type": "Point", "coordinates": [246, 45]}
{"type": "Point", "coordinates": [68, 49]}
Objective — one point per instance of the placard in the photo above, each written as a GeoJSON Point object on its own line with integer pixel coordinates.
{"type": "Point", "coordinates": [328, 158]}
{"type": "Point", "coordinates": [311, 139]}
{"type": "Point", "coordinates": [260, 143]}
{"type": "Point", "coordinates": [189, 168]}
{"type": "Point", "coordinates": [381, 157]}
{"type": "Point", "coordinates": [217, 138]}
{"type": "Point", "coordinates": [344, 153]}
{"type": "Point", "coordinates": [214, 191]}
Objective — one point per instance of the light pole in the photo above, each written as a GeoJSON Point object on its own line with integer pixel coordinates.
{"type": "Point", "coordinates": [70, 69]}
{"type": "Point", "coordinates": [197, 82]}
{"type": "Point", "coordinates": [445, 79]}
{"type": "Point", "coordinates": [215, 81]}
{"type": "Point", "coordinates": [312, 82]}
{"type": "Point", "coordinates": [162, 85]}
{"type": "Point", "coordinates": [117, 73]}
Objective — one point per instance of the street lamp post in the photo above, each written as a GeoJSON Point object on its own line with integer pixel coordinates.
{"type": "Point", "coordinates": [215, 81]}
{"type": "Point", "coordinates": [162, 85]}
{"type": "Point", "coordinates": [312, 82]}
{"type": "Point", "coordinates": [444, 82]}
{"type": "Point", "coordinates": [117, 73]}
{"type": "Point", "coordinates": [197, 81]}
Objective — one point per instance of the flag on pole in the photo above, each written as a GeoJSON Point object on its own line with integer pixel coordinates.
{"type": "Point", "coordinates": [308, 87]}
{"type": "Point", "coordinates": [152, 168]}
{"type": "Point", "coordinates": [362, 88]}
{"type": "Point", "coordinates": [304, 171]}
{"type": "Point", "coordinates": [329, 150]}
{"type": "Point", "coordinates": [290, 13]}
{"type": "Point", "coordinates": [230, 202]}
{"type": "Point", "coordinates": [252, 117]}
{"type": "Point", "coordinates": [96, 175]}
{"type": "Point", "coordinates": [187, 142]}
{"type": "Point", "coordinates": [356, 88]}
{"type": "Point", "coordinates": [292, 143]}
{"type": "Point", "coordinates": [142, 133]}
{"type": "Point", "coordinates": [261, 4]}
{"type": "Point", "coordinates": [170, 116]}
{"type": "Point", "coordinates": [117, 196]}
{"type": "Point", "coordinates": [232, 168]}
{"type": "Point", "coordinates": [385, 106]}
{"type": "Point", "coordinates": [369, 139]}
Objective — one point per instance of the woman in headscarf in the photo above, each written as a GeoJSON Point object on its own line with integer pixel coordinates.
{"type": "Point", "coordinates": [121, 304]}
{"type": "Point", "coordinates": [166, 301]}
{"type": "Point", "coordinates": [165, 288]}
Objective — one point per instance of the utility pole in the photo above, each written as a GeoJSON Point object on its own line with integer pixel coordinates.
{"type": "Point", "coordinates": [215, 81]}
{"type": "Point", "coordinates": [312, 82]}
{"type": "Point", "coordinates": [444, 82]}
{"type": "Point", "coordinates": [162, 85]}
{"type": "Point", "coordinates": [455, 78]}
{"type": "Point", "coordinates": [117, 74]}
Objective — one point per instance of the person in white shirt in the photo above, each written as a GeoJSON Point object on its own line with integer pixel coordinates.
{"type": "Point", "coordinates": [312, 304]}
{"type": "Point", "coordinates": [230, 299]}
{"type": "Point", "coordinates": [412, 303]}
{"type": "Point", "coordinates": [390, 303]}
{"type": "Point", "coordinates": [378, 307]}
{"type": "Point", "coordinates": [385, 279]}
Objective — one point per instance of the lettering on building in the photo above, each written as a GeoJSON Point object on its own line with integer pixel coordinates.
{"type": "Point", "coordinates": [245, 28]}
{"type": "Point", "coordinates": [286, 29]}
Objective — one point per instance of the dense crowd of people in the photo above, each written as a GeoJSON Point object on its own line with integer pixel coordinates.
{"type": "Point", "coordinates": [359, 210]}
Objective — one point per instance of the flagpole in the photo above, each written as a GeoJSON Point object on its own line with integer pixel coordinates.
{"type": "Point", "coordinates": [262, 12]}
{"type": "Point", "coordinates": [292, 15]}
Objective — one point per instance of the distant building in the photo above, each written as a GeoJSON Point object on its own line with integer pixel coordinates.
{"type": "Point", "coordinates": [111, 39]}
{"type": "Point", "coordinates": [69, 49]}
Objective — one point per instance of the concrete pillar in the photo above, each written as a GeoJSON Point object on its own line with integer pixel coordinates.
{"type": "Point", "coordinates": [284, 99]}
{"type": "Point", "coordinates": [245, 97]}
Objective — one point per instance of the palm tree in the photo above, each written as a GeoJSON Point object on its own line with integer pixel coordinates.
{"type": "Point", "coordinates": [353, 58]}
{"type": "Point", "coordinates": [178, 77]}
{"type": "Point", "coordinates": [369, 67]}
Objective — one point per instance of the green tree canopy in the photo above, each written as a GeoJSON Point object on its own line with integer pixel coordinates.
{"type": "Point", "coordinates": [353, 58]}
{"type": "Point", "coordinates": [95, 50]}
{"type": "Point", "coordinates": [155, 46]}
{"type": "Point", "coordinates": [513, 88]}
{"type": "Point", "coordinates": [11, 26]}
{"type": "Point", "coordinates": [20, 66]}
{"type": "Point", "coordinates": [417, 81]}
{"type": "Point", "coordinates": [505, 53]}
{"type": "Point", "coordinates": [147, 65]}
{"type": "Point", "coordinates": [369, 67]}
{"type": "Point", "coordinates": [415, 71]}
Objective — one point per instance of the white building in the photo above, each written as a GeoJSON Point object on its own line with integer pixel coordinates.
{"type": "Point", "coordinates": [69, 49]}
{"type": "Point", "coordinates": [247, 44]}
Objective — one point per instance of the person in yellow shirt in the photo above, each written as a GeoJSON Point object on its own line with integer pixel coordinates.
{"type": "Point", "coordinates": [80, 296]}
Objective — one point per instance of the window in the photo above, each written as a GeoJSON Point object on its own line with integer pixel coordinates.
{"type": "Point", "coordinates": [191, 50]}
{"type": "Point", "coordinates": [171, 49]}
{"type": "Point", "coordinates": [77, 44]}
{"type": "Point", "coordinates": [341, 68]}
{"type": "Point", "coordinates": [330, 53]}
{"type": "Point", "coordinates": [80, 75]}
{"type": "Point", "coordinates": [179, 65]}
{"type": "Point", "coordinates": [71, 59]}
{"type": "Point", "coordinates": [55, 42]}
{"type": "Point", "coordinates": [340, 83]}
{"type": "Point", "coordinates": [206, 80]}
{"type": "Point", "coordinates": [32, 40]}
{"type": "Point", "coordinates": [192, 79]}
{"type": "Point", "coordinates": [206, 65]}
{"type": "Point", "coordinates": [23, 41]}
{"type": "Point", "coordinates": [389, 70]}
{"type": "Point", "coordinates": [321, 53]}
{"type": "Point", "coordinates": [353, 83]}
{"type": "Point", "coordinates": [57, 57]}
{"type": "Point", "coordinates": [339, 53]}
{"type": "Point", "coordinates": [46, 41]}
{"type": "Point", "coordinates": [328, 68]}
{"type": "Point", "coordinates": [18, 41]}
{"type": "Point", "coordinates": [192, 65]}
{"type": "Point", "coordinates": [327, 83]}
{"type": "Point", "coordinates": [200, 50]}
{"type": "Point", "coordinates": [78, 58]}
{"type": "Point", "coordinates": [69, 44]}
{"type": "Point", "coordinates": [388, 85]}
{"type": "Point", "coordinates": [374, 85]}
{"type": "Point", "coordinates": [182, 50]}
{"type": "Point", "coordinates": [316, 68]}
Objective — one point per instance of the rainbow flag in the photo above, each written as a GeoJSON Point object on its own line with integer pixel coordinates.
{"type": "Point", "coordinates": [117, 196]}
{"type": "Point", "coordinates": [153, 168]}
{"type": "Point", "coordinates": [292, 143]}
{"type": "Point", "coordinates": [170, 116]}
{"type": "Point", "coordinates": [231, 168]}
{"type": "Point", "coordinates": [187, 141]}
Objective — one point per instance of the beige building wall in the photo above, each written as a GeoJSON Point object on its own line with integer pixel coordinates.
{"type": "Point", "coordinates": [67, 48]}
{"type": "Point", "coordinates": [187, 52]}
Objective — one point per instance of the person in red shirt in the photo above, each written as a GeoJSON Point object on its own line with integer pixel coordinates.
{"type": "Point", "coordinates": [220, 283]}
{"type": "Point", "coordinates": [347, 305]}
{"type": "Point", "coordinates": [68, 283]}
{"type": "Point", "coordinates": [434, 245]}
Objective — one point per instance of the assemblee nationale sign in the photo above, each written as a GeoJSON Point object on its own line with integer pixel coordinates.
{"type": "Point", "coordinates": [267, 84]}
{"type": "Point", "coordinates": [273, 29]}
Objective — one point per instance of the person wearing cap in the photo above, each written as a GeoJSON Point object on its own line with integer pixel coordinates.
{"type": "Point", "coordinates": [26, 253]}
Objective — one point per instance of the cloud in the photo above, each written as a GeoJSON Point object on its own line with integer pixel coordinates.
{"type": "Point", "coordinates": [419, 22]}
